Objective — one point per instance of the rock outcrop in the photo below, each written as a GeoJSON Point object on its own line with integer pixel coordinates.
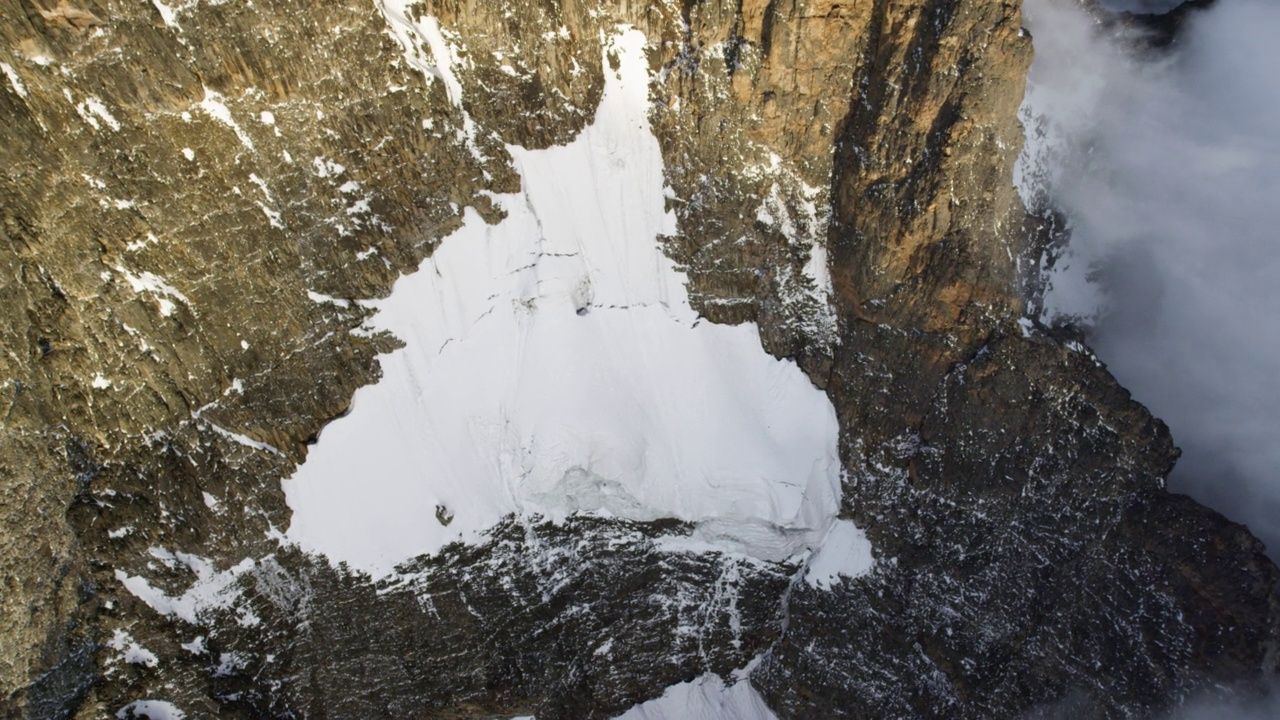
{"type": "Point", "coordinates": [196, 197]}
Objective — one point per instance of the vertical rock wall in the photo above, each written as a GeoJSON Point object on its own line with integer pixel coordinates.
{"type": "Point", "coordinates": [196, 195]}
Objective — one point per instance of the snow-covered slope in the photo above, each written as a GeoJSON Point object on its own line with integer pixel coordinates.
{"type": "Point", "coordinates": [553, 365]}
{"type": "Point", "coordinates": [705, 698]}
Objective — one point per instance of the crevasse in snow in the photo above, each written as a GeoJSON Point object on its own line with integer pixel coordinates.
{"type": "Point", "coordinates": [553, 365]}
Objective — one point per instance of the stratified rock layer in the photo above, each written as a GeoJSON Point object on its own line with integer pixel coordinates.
{"type": "Point", "coordinates": [192, 192]}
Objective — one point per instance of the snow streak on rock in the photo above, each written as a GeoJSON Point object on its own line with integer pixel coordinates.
{"type": "Point", "coordinates": [554, 366]}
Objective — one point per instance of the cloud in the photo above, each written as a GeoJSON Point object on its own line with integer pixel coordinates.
{"type": "Point", "coordinates": [1246, 702]}
{"type": "Point", "coordinates": [1168, 164]}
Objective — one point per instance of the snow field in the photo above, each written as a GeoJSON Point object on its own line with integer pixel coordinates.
{"type": "Point", "coordinates": [553, 366]}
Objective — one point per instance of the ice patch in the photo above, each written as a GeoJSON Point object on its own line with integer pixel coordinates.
{"type": "Point", "coordinates": [228, 664]}
{"type": "Point", "coordinates": [553, 365]}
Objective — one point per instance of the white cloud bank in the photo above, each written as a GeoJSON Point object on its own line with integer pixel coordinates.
{"type": "Point", "coordinates": [1169, 167]}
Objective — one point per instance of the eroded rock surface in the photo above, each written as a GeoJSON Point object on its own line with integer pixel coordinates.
{"type": "Point", "coordinates": [197, 194]}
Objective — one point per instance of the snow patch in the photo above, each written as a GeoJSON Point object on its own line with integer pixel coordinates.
{"type": "Point", "coordinates": [846, 552]}
{"type": "Point", "coordinates": [169, 14]}
{"type": "Point", "coordinates": [233, 436]}
{"type": "Point", "coordinates": [156, 285]}
{"type": "Point", "coordinates": [324, 167]}
{"type": "Point", "coordinates": [554, 366]}
{"type": "Point", "coordinates": [14, 80]}
{"type": "Point", "coordinates": [214, 106]}
{"type": "Point", "coordinates": [92, 109]}
{"type": "Point", "coordinates": [153, 709]}
{"type": "Point", "coordinates": [130, 651]}
{"type": "Point", "coordinates": [792, 209]}
{"type": "Point", "coordinates": [228, 664]}
{"type": "Point", "coordinates": [262, 185]}
{"type": "Point", "coordinates": [273, 217]}
{"type": "Point", "coordinates": [411, 35]}
{"type": "Point", "coordinates": [327, 300]}
{"type": "Point", "coordinates": [211, 590]}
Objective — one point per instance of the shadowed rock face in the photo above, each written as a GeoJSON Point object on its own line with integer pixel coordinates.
{"type": "Point", "coordinates": [162, 235]}
{"type": "Point", "coordinates": [579, 620]}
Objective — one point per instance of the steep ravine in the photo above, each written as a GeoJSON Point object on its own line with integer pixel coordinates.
{"type": "Point", "coordinates": [197, 196]}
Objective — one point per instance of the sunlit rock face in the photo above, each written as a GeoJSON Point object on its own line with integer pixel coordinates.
{"type": "Point", "coordinates": [569, 359]}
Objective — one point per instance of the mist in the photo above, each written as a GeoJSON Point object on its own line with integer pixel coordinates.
{"type": "Point", "coordinates": [1231, 704]}
{"type": "Point", "coordinates": [1168, 165]}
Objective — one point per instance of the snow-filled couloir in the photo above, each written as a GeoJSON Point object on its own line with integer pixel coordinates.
{"type": "Point", "coordinates": [553, 365]}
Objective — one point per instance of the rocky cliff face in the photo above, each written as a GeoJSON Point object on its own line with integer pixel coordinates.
{"type": "Point", "coordinates": [196, 196]}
